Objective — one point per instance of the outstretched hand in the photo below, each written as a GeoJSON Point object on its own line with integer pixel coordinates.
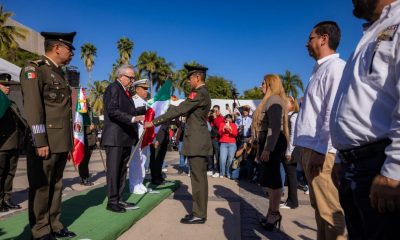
{"type": "Point", "coordinates": [148, 125]}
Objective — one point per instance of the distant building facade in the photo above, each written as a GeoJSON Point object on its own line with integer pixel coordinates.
{"type": "Point", "coordinates": [34, 42]}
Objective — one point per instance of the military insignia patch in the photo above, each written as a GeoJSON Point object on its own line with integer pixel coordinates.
{"type": "Point", "coordinates": [30, 75]}
{"type": "Point", "coordinates": [192, 95]}
{"type": "Point", "coordinates": [29, 68]}
{"type": "Point", "coordinates": [388, 33]}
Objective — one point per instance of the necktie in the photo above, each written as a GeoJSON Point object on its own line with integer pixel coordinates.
{"type": "Point", "coordinates": [128, 93]}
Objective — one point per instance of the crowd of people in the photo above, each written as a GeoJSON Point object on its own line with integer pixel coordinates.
{"type": "Point", "coordinates": [342, 141]}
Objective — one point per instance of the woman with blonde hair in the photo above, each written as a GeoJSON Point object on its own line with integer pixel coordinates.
{"type": "Point", "coordinates": [270, 127]}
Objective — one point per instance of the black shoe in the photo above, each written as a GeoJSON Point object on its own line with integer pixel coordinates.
{"type": "Point", "coordinates": [128, 205]}
{"type": "Point", "coordinates": [64, 233]}
{"type": "Point", "coordinates": [180, 171]}
{"type": "Point", "coordinates": [157, 182]}
{"type": "Point", "coordinates": [116, 208]}
{"type": "Point", "coordinates": [11, 205]}
{"type": "Point", "coordinates": [3, 208]}
{"type": "Point", "coordinates": [86, 182]}
{"type": "Point", "coordinates": [190, 219]}
{"type": "Point", "coordinates": [46, 237]}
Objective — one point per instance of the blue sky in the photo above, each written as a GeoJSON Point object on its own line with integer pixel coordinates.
{"type": "Point", "coordinates": [238, 40]}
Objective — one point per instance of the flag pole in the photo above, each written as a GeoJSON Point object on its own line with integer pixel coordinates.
{"type": "Point", "coordinates": [73, 162]}
{"type": "Point", "coordinates": [136, 147]}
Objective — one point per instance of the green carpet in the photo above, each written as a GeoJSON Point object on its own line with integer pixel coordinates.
{"type": "Point", "coordinates": [86, 215]}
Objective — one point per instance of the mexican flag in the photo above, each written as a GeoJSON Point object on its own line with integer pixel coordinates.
{"type": "Point", "coordinates": [79, 142]}
{"type": "Point", "coordinates": [158, 106]}
{"type": "Point", "coordinates": [4, 103]}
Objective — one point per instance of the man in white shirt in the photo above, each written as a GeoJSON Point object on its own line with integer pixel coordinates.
{"type": "Point", "coordinates": [366, 125]}
{"type": "Point", "coordinates": [313, 134]}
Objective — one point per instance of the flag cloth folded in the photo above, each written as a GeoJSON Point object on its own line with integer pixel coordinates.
{"type": "Point", "coordinates": [4, 103]}
{"type": "Point", "coordinates": [158, 106]}
{"type": "Point", "coordinates": [79, 138]}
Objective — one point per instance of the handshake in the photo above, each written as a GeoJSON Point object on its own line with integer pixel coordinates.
{"type": "Point", "coordinates": [140, 119]}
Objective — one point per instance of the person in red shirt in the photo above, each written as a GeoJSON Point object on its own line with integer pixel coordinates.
{"type": "Point", "coordinates": [227, 132]}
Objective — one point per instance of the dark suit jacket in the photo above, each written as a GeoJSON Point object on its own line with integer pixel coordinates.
{"type": "Point", "coordinates": [197, 139]}
{"type": "Point", "coordinates": [118, 112]}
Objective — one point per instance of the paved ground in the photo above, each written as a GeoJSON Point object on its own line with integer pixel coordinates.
{"type": "Point", "coordinates": [234, 208]}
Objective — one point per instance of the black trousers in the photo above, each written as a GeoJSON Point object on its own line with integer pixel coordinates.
{"type": "Point", "coordinates": [291, 177]}
{"type": "Point", "coordinates": [156, 161]}
{"type": "Point", "coordinates": [83, 167]}
{"type": "Point", "coordinates": [117, 159]}
{"type": "Point", "coordinates": [363, 221]}
{"type": "Point", "coordinates": [198, 178]}
{"type": "Point", "coordinates": [211, 165]}
{"type": "Point", "coordinates": [8, 167]}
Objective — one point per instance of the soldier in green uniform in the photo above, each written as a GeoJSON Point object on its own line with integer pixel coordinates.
{"type": "Point", "coordinates": [47, 104]}
{"type": "Point", "coordinates": [11, 131]}
{"type": "Point", "coordinates": [197, 140]}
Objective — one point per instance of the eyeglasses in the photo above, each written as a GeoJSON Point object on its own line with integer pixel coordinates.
{"type": "Point", "coordinates": [131, 78]}
{"type": "Point", "coordinates": [312, 37]}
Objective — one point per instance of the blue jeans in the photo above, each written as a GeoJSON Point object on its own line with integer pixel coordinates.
{"type": "Point", "coordinates": [226, 155]}
{"type": "Point", "coordinates": [182, 158]}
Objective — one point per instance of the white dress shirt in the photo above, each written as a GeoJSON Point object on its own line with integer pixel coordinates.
{"type": "Point", "coordinates": [367, 107]}
{"type": "Point", "coordinates": [312, 126]}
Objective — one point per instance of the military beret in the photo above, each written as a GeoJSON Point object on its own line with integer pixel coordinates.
{"type": "Point", "coordinates": [5, 78]}
{"type": "Point", "coordinates": [65, 38]}
{"type": "Point", "coordinates": [193, 69]}
{"type": "Point", "coordinates": [144, 83]}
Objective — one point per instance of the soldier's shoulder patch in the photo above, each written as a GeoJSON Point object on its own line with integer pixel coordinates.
{"type": "Point", "coordinates": [192, 95]}
{"type": "Point", "coordinates": [29, 68]}
{"type": "Point", "coordinates": [38, 63]}
{"type": "Point", "coordinates": [30, 74]}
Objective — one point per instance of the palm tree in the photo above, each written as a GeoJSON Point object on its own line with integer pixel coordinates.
{"type": "Point", "coordinates": [9, 33]}
{"type": "Point", "coordinates": [147, 64]}
{"type": "Point", "coordinates": [125, 47]}
{"type": "Point", "coordinates": [88, 53]}
{"type": "Point", "coordinates": [291, 83]}
{"type": "Point", "coordinates": [95, 96]}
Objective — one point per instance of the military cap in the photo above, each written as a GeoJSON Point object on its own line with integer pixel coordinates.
{"type": "Point", "coordinates": [194, 69]}
{"type": "Point", "coordinates": [144, 83]}
{"type": "Point", "coordinates": [65, 38]}
{"type": "Point", "coordinates": [5, 78]}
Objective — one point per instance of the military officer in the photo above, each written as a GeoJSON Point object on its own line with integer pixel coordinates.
{"type": "Point", "coordinates": [197, 139]}
{"type": "Point", "coordinates": [136, 166]}
{"type": "Point", "coordinates": [9, 142]}
{"type": "Point", "coordinates": [47, 103]}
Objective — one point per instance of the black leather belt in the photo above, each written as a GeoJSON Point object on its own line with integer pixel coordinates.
{"type": "Point", "coordinates": [362, 152]}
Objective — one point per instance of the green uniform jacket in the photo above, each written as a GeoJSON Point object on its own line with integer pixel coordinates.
{"type": "Point", "coordinates": [12, 128]}
{"type": "Point", "coordinates": [196, 139]}
{"type": "Point", "coordinates": [47, 104]}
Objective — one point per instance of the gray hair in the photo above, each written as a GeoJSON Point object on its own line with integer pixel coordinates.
{"type": "Point", "coordinates": [121, 70]}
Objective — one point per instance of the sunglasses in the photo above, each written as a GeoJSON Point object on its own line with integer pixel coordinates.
{"type": "Point", "coordinates": [131, 78]}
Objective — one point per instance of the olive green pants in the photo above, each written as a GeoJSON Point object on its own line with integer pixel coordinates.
{"type": "Point", "coordinates": [198, 177]}
{"type": "Point", "coordinates": [8, 167]}
{"type": "Point", "coordinates": [45, 191]}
